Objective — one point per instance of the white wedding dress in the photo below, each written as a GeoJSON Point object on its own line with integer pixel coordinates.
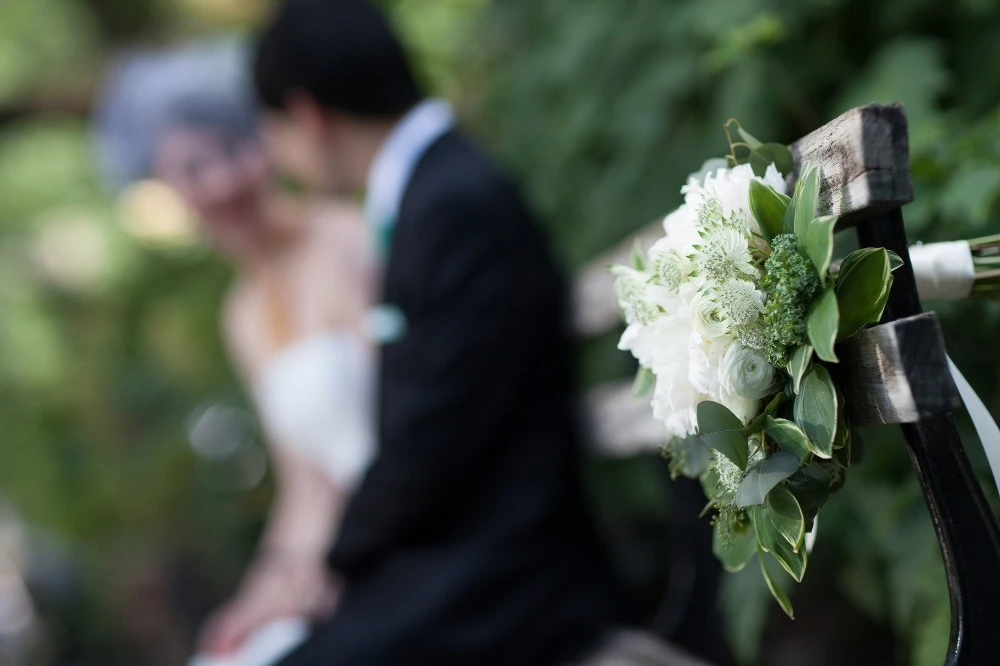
{"type": "Point", "coordinates": [315, 396]}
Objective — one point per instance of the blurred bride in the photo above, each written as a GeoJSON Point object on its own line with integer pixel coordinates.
{"type": "Point", "coordinates": [293, 320]}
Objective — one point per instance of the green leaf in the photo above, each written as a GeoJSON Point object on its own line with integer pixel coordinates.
{"type": "Point", "coordinates": [770, 540]}
{"type": "Point", "coordinates": [804, 202]}
{"type": "Point", "coordinates": [764, 155]}
{"type": "Point", "coordinates": [768, 207]}
{"type": "Point", "coordinates": [745, 136]}
{"type": "Point", "coordinates": [644, 380]}
{"type": "Point", "coordinates": [853, 260]}
{"type": "Point", "coordinates": [789, 437]}
{"type": "Point", "coordinates": [637, 258]}
{"type": "Point", "coordinates": [713, 417]}
{"type": "Point", "coordinates": [862, 289]}
{"type": "Point", "coordinates": [786, 515]}
{"type": "Point", "coordinates": [730, 443]}
{"type": "Point", "coordinates": [895, 261]}
{"type": "Point", "coordinates": [777, 154]}
{"type": "Point", "coordinates": [735, 553]}
{"type": "Point", "coordinates": [811, 486]}
{"type": "Point", "coordinates": [791, 560]}
{"type": "Point", "coordinates": [758, 423]}
{"type": "Point", "coordinates": [823, 324]}
{"type": "Point", "coordinates": [798, 365]}
{"type": "Point", "coordinates": [817, 243]}
{"type": "Point", "coordinates": [777, 591]}
{"type": "Point", "coordinates": [765, 475]}
{"type": "Point", "coordinates": [815, 410]}
{"type": "Point", "coordinates": [689, 456]}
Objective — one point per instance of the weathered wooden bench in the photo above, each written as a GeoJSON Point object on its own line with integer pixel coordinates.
{"type": "Point", "coordinates": [893, 373]}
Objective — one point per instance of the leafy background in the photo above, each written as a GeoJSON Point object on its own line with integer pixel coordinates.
{"type": "Point", "coordinates": [109, 344]}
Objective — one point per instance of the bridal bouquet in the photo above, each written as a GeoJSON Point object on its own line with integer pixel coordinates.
{"type": "Point", "coordinates": [733, 317]}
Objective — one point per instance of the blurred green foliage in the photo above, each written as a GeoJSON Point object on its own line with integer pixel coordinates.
{"type": "Point", "coordinates": [603, 109]}
{"type": "Point", "coordinates": [108, 345]}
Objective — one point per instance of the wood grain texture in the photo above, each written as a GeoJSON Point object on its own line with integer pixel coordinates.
{"type": "Point", "coordinates": [896, 373]}
{"type": "Point", "coordinates": [618, 424]}
{"type": "Point", "coordinates": [864, 157]}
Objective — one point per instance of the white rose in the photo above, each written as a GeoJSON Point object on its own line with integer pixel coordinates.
{"type": "Point", "coordinates": [745, 373]}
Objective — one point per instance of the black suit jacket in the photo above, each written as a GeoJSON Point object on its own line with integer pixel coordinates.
{"type": "Point", "coordinates": [467, 541]}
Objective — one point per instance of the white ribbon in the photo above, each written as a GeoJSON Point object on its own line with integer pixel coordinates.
{"type": "Point", "coordinates": [943, 271]}
{"type": "Point", "coordinates": [946, 271]}
{"type": "Point", "coordinates": [982, 421]}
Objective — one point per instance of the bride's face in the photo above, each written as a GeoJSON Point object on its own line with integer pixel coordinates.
{"type": "Point", "coordinates": [223, 181]}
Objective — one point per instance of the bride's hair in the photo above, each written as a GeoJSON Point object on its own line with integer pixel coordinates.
{"type": "Point", "coordinates": [201, 85]}
{"type": "Point", "coordinates": [343, 53]}
{"type": "Point", "coordinates": [233, 121]}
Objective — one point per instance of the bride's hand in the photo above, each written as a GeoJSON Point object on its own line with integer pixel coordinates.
{"type": "Point", "coordinates": [276, 586]}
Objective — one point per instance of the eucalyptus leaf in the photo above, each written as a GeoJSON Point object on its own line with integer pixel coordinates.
{"type": "Point", "coordinates": [798, 365]}
{"type": "Point", "coordinates": [805, 201]}
{"type": "Point", "coordinates": [811, 486]}
{"type": "Point", "coordinates": [691, 457]}
{"type": "Point", "coordinates": [644, 380]}
{"type": "Point", "coordinates": [768, 207]}
{"type": "Point", "coordinates": [774, 585]}
{"type": "Point", "coordinates": [734, 552]}
{"type": "Point", "coordinates": [823, 324]}
{"type": "Point", "coordinates": [815, 410]}
{"type": "Point", "coordinates": [713, 417]}
{"type": "Point", "coordinates": [786, 515]}
{"type": "Point", "coordinates": [765, 475]}
{"type": "Point", "coordinates": [862, 289]}
{"type": "Point", "coordinates": [730, 443]}
{"type": "Point", "coordinates": [817, 243]}
{"type": "Point", "coordinates": [789, 437]}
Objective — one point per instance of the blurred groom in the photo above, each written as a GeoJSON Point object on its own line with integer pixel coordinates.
{"type": "Point", "coordinates": [467, 541]}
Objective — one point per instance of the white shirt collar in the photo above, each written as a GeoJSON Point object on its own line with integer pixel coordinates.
{"type": "Point", "coordinates": [398, 156]}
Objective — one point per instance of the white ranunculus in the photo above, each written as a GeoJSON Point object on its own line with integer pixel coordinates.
{"type": "Point", "coordinates": [708, 320]}
{"type": "Point", "coordinates": [745, 373]}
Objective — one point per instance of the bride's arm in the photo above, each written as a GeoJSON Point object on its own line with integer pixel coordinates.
{"type": "Point", "coordinates": [305, 511]}
{"type": "Point", "coordinates": [288, 575]}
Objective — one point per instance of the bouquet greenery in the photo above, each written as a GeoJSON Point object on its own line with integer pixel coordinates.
{"type": "Point", "coordinates": [734, 316]}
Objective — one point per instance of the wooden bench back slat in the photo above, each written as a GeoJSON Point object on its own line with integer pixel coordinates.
{"type": "Point", "coordinates": [896, 373]}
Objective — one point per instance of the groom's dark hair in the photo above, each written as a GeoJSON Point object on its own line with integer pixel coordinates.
{"type": "Point", "coordinates": [343, 53]}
